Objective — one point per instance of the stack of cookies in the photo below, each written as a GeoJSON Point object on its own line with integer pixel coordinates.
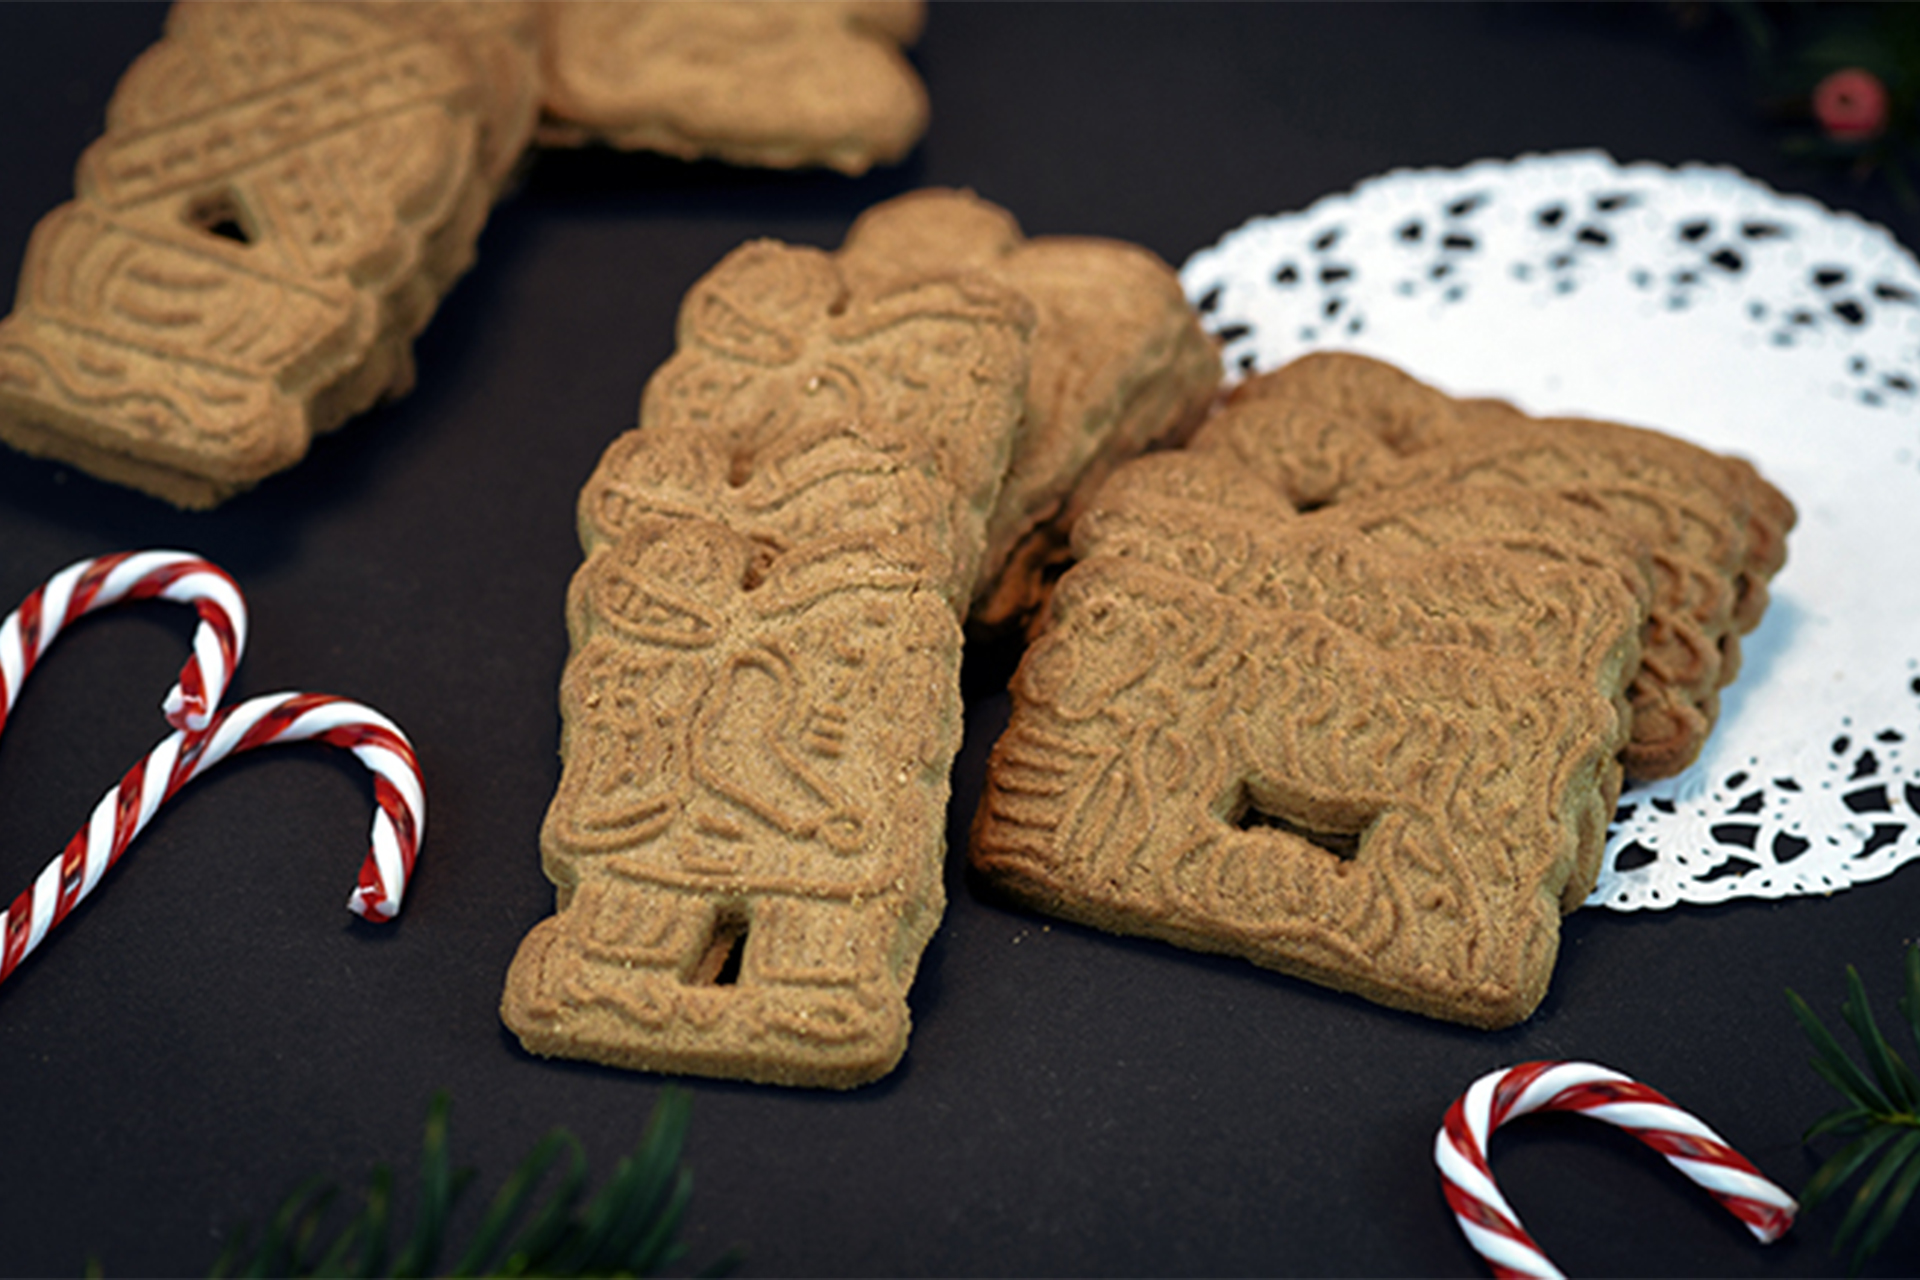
{"type": "Point", "coordinates": [762, 706]}
{"type": "Point", "coordinates": [282, 195]}
{"type": "Point", "coordinates": [286, 190]}
{"type": "Point", "coordinates": [1349, 687]}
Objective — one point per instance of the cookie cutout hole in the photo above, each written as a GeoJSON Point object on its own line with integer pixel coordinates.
{"type": "Point", "coordinates": [1340, 838]}
{"type": "Point", "coordinates": [740, 468]}
{"type": "Point", "coordinates": [219, 215]}
{"type": "Point", "coordinates": [719, 964]}
{"type": "Point", "coordinates": [758, 566]}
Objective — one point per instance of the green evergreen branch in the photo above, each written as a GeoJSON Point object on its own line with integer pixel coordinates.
{"type": "Point", "coordinates": [631, 1228]}
{"type": "Point", "coordinates": [1881, 1116]}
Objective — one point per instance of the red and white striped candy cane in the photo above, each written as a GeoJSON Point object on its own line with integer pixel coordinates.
{"type": "Point", "coordinates": [86, 585]}
{"type": "Point", "coordinates": [1488, 1220]}
{"type": "Point", "coordinates": [399, 821]}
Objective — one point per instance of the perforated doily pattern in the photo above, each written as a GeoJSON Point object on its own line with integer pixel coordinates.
{"type": "Point", "coordinates": [1701, 302]}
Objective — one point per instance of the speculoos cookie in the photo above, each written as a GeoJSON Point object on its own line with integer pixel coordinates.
{"type": "Point", "coordinates": [1402, 823]}
{"type": "Point", "coordinates": [1376, 747]}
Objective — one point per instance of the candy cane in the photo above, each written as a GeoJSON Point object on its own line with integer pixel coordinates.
{"type": "Point", "coordinates": [86, 585]}
{"type": "Point", "coordinates": [399, 820]}
{"type": "Point", "coordinates": [1460, 1149]}
{"type": "Point", "coordinates": [203, 736]}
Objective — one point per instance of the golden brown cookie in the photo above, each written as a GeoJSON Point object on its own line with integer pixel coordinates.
{"type": "Point", "coordinates": [283, 193]}
{"type": "Point", "coordinates": [1120, 365]}
{"type": "Point", "coordinates": [755, 82]}
{"type": "Point", "coordinates": [1406, 823]}
{"type": "Point", "coordinates": [1332, 426]}
{"type": "Point", "coordinates": [762, 705]}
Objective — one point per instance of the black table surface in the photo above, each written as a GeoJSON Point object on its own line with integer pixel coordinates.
{"type": "Point", "coordinates": [211, 1026]}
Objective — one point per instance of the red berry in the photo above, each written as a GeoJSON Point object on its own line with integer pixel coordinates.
{"type": "Point", "coordinates": [1851, 105]}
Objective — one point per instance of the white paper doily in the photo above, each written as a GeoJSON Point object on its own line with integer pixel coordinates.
{"type": "Point", "coordinates": [1700, 302]}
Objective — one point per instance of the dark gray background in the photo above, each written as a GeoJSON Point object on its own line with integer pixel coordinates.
{"type": "Point", "coordinates": [212, 1026]}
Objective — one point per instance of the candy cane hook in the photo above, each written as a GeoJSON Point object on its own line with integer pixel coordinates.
{"type": "Point", "coordinates": [399, 819]}
{"type": "Point", "coordinates": [1460, 1149]}
{"type": "Point", "coordinates": [86, 585]}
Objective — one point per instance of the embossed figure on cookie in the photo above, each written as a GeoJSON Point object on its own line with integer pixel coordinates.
{"type": "Point", "coordinates": [748, 860]}
{"type": "Point", "coordinates": [1512, 572]}
{"type": "Point", "coordinates": [757, 82]}
{"type": "Point", "coordinates": [282, 194]}
{"type": "Point", "coordinates": [762, 704]}
{"type": "Point", "coordinates": [1407, 824]}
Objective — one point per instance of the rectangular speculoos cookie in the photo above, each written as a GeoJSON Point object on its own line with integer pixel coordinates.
{"type": "Point", "coordinates": [1350, 685]}
{"type": "Point", "coordinates": [762, 704]}
{"type": "Point", "coordinates": [1402, 824]}
{"type": "Point", "coordinates": [282, 195]}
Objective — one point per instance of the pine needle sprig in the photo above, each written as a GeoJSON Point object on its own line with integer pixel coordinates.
{"type": "Point", "coordinates": [631, 1228]}
{"type": "Point", "coordinates": [1881, 1116]}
